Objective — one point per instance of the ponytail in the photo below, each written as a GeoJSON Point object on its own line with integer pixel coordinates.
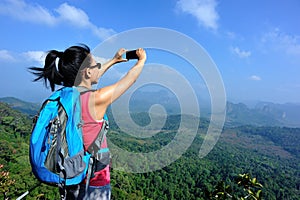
{"type": "Point", "coordinates": [50, 71]}
{"type": "Point", "coordinates": [64, 71]}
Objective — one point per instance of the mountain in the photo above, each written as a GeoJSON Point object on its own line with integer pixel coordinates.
{"type": "Point", "coordinates": [288, 113]}
{"type": "Point", "coordinates": [142, 101]}
{"type": "Point", "coordinates": [22, 106]}
{"type": "Point", "coordinates": [263, 114]}
{"type": "Point", "coordinates": [19, 122]}
{"type": "Point", "coordinates": [237, 114]}
{"type": "Point", "coordinates": [270, 154]}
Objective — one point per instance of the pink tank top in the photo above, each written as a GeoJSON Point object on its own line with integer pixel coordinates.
{"type": "Point", "coordinates": [90, 132]}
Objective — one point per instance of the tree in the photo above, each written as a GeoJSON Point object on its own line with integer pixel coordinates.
{"type": "Point", "coordinates": [5, 182]}
{"type": "Point", "coordinates": [251, 186]}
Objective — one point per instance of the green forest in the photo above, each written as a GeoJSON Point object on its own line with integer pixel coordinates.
{"type": "Point", "coordinates": [248, 162]}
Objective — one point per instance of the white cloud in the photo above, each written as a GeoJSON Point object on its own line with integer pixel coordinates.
{"type": "Point", "coordinates": [35, 56]}
{"type": "Point", "coordinates": [65, 14]}
{"type": "Point", "coordinates": [80, 19]}
{"type": "Point", "coordinates": [22, 11]}
{"type": "Point", "coordinates": [6, 56]}
{"type": "Point", "coordinates": [240, 53]}
{"type": "Point", "coordinates": [204, 11]}
{"type": "Point", "coordinates": [276, 40]}
{"type": "Point", "coordinates": [102, 32]}
{"type": "Point", "coordinates": [255, 78]}
{"type": "Point", "coordinates": [231, 35]}
{"type": "Point", "coordinates": [31, 56]}
{"type": "Point", "coordinates": [73, 16]}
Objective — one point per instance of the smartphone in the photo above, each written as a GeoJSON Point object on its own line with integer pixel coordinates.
{"type": "Point", "coordinates": [131, 55]}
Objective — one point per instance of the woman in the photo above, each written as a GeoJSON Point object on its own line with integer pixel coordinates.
{"type": "Point", "coordinates": [77, 67]}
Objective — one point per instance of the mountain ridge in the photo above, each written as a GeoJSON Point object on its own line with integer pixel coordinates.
{"type": "Point", "coordinates": [28, 108]}
{"type": "Point", "coordinates": [237, 114]}
{"type": "Point", "coordinates": [271, 154]}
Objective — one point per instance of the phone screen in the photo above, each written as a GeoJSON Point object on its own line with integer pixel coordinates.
{"type": "Point", "coordinates": [131, 55]}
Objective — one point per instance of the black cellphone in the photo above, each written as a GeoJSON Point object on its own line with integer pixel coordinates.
{"type": "Point", "coordinates": [131, 55]}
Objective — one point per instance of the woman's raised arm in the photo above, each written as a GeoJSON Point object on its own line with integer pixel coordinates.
{"type": "Point", "coordinates": [107, 95]}
{"type": "Point", "coordinates": [116, 59]}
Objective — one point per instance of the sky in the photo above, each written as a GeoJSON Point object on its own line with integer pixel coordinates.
{"type": "Point", "coordinates": [255, 44]}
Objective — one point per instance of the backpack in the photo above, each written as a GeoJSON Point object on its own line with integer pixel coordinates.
{"type": "Point", "coordinates": [56, 151]}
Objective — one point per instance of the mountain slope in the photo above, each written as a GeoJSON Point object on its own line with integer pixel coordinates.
{"type": "Point", "coordinates": [239, 114]}
{"type": "Point", "coordinates": [288, 113]}
{"type": "Point", "coordinates": [23, 106]}
{"type": "Point", "coordinates": [262, 114]}
{"type": "Point", "coordinates": [271, 154]}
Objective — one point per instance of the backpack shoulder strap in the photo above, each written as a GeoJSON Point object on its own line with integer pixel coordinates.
{"type": "Point", "coordinates": [96, 144]}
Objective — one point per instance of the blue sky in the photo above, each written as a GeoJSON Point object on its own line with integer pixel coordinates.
{"type": "Point", "coordinates": [255, 44]}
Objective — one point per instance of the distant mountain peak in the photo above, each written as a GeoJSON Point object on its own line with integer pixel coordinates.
{"type": "Point", "coordinates": [23, 106]}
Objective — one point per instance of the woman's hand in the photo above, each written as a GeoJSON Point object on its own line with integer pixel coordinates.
{"type": "Point", "coordinates": [118, 56]}
{"type": "Point", "coordinates": [141, 53]}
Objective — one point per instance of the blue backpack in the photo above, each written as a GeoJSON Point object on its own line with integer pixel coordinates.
{"type": "Point", "coordinates": [56, 152]}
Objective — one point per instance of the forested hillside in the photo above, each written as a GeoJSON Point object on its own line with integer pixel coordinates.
{"type": "Point", "coordinates": [23, 106]}
{"type": "Point", "coordinates": [270, 154]}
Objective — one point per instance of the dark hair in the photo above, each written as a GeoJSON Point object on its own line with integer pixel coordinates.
{"type": "Point", "coordinates": [70, 62]}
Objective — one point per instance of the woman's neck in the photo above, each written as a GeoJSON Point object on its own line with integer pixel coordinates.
{"type": "Point", "coordinates": [85, 84]}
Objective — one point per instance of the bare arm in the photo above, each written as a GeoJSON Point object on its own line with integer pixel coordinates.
{"type": "Point", "coordinates": [105, 96]}
{"type": "Point", "coordinates": [116, 59]}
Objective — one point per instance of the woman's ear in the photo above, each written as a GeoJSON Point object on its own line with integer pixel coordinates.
{"type": "Point", "coordinates": [88, 73]}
